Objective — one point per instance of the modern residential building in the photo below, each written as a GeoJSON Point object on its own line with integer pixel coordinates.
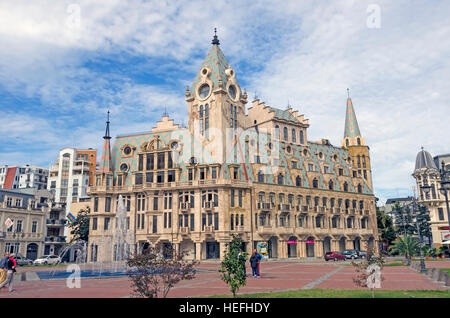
{"type": "Point", "coordinates": [22, 177]}
{"type": "Point", "coordinates": [426, 172]}
{"type": "Point", "coordinates": [71, 175]}
{"type": "Point", "coordinates": [251, 171]}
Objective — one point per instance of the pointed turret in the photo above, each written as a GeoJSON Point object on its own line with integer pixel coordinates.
{"type": "Point", "coordinates": [105, 163]}
{"type": "Point", "coordinates": [352, 134]}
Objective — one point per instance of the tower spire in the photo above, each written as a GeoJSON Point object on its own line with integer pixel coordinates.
{"type": "Point", "coordinates": [107, 128]}
{"type": "Point", "coordinates": [352, 134]}
{"type": "Point", "coordinates": [105, 163]}
{"type": "Point", "coordinates": [215, 40]}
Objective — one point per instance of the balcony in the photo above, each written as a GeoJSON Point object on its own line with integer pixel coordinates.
{"type": "Point", "coordinates": [265, 229]}
{"type": "Point", "coordinates": [209, 205]}
{"type": "Point", "coordinates": [55, 222]}
{"type": "Point", "coordinates": [56, 239]}
{"type": "Point", "coordinates": [284, 207]}
{"type": "Point", "coordinates": [264, 206]}
{"type": "Point", "coordinates": [208, 229]}
{"type": "Point", "coordinates": [366, 212]}
{"type": "Point", "coordinates": [184, 230]}
{"type": "Point", "coordinates": [305, 209]}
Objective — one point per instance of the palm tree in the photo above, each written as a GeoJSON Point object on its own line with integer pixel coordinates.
{"type": "Point", "coordinates": [408, 246]}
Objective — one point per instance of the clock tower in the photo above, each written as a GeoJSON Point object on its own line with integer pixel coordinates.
{"type": "Point", "coordinates": [216, 102]}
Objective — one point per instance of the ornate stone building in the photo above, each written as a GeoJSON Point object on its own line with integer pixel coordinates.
{"type": "Point", "coordinates": [234, 170]}
{"type": "Point", "coordinates": [426, 172]}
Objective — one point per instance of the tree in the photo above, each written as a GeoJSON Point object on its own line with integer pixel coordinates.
{"type": "Point", "coordinates": [80, 229]}
{"type": "Point", "coordinates": [408, 246]}
{"type": "Point", "coordinates": [404, 223]}
{"type": "Point", "coordinates": [369, 270]}
{"type": "Point", "coordinates": [152, 274]}
{"type": "Point", "coordinates": [385, 227]}
{"type": "Point", "coordinates": [423, 221]}
{"type": "Point", "coordinates": [233, 266]}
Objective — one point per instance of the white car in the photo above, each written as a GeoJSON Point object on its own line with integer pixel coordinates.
{"type": "Point", "coordinates": [47, 259]}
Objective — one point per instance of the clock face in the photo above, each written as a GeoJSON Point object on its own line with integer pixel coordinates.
{"type": "Point", "coordinates": [203, 92]}
{"type": "Point", "coordinates": [123, 167]}
{"type": "Point", "coordinates": [232, 91]}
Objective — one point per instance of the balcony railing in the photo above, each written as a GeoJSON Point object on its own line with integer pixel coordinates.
{"type": "Point", "coordinates": [208, 229]}
{"type": "Point", "coordinates": [184, 230]}
{"type": "Point", "coordinates": [305, 208]}
{"type": "Point", "coordinates": [284, 207]}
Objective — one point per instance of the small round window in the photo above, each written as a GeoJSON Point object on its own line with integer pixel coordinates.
{"type": "Point", "coordinates": [127, 150]}
{"type": "Point", "coordinates": [232, 91]}
{"type": "Point", "coordinates": [203, 91]}
{"type": "Point", "coordinates": [288, 149]}
{"type": "Point", "coordinates": [174, 145]}
{"type": "Point", "coordinates": [305, 152]}
{"type": "Point", "coordinates": [123, 167]}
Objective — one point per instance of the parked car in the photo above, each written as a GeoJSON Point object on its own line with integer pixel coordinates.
{"type": "Point", "coordinates": [22, 260]}
{"type": "Point", "coordinates": [335, 256]}
{"type": "Point", "coordinates": [351, 254]}
{"type": "Point", "coordinates": [47, 259]}
{"type": "Point", "coordinates": [362, 254]}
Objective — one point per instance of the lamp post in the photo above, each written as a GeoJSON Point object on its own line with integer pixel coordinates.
{"type": "Point", "coordinates": [445, 187]}
{"type": "Point", "coordinates": [422, 261]}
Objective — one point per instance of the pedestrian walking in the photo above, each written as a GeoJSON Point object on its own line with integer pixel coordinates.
{"type": "Point", "coordinates": [241, 259]}
{"type": "Point", "coordinates": [3, 267]}
{"type": "Point", "coordinates": [10, 274]}
{"type": "Point", "coordinates": [260, 257]}
{"type": "Point", "coordinates": [254, 264]}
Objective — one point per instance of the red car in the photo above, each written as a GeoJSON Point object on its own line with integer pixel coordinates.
{"type": "Point", "coordinates": [335, 256]}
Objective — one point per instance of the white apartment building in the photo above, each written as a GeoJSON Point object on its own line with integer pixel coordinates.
{"type": "Point", "coordinates": [22, 177]}
{"type": "Point", "coordinates": [71, 175]}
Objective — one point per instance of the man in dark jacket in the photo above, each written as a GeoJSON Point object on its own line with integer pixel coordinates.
{"type": "Point", "coordinates": [254, 264]}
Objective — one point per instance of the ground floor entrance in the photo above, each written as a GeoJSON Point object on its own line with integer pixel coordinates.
{"type": "Point", "coordinates": [212, 250]}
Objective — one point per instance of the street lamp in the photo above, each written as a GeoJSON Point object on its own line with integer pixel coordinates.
{"type": "Point", "coordinates": [422, 261]}
{"type": "Point", "coordinates": [445, 186]}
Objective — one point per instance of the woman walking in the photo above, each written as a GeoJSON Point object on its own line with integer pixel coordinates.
{"type": "Point", "coordinates": [254, 264]}
{"type": "Point", "coordinates": [11, 269]}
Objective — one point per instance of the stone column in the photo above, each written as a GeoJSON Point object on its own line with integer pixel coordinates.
{"type": "Point", "coordinates": [282, 249]}
{"type": "Point", "coordinates": [222, 249]}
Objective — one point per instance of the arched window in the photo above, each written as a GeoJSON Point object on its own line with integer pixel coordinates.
{"type": "Point", "coordinates": [359, 161]}
{"type": "Point", "coordinates": [260, 176]}
{"type": "Point", "coordinates": [331, 185]}
{"type": "Point", "coordinates": [298, 181]}
{"type": "Point", "coordinates": [207, 121]}
{"type": "Point", "coordinates": [301, 137]}
{"type": "Point", "coordinates": [280, 179]}
{"type": "Point", "coordinates": [364, 161]}
{"type": "Point", "coordinates": [201, 120]}
{"type": "Point", "coordinates": [359, 188]}
{"type": "Point", "coordinates": [345, 186]}
{"type": "Point", "coordinates": [346, 142]}
{"type": "Point", "coordinates": [359, 141]}
{"type": "Point", "coordinates": [315, 183]}
{"type": "Point", "coordinates": [294, 135]}
{"type": "Point", "coordinates": [285, 133]}
{"type": "Point", "coordinates": [277, 132]}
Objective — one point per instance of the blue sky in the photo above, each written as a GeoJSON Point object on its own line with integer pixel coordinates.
{"type": "Point", "coordinates": [60, 74]}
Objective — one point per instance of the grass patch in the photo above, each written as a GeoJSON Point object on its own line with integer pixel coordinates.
{"type": "Point", "coordinates": [445, 270]}
{"type": "Point", "coordinates": [394, 264]}
{"type": "Point", "coordinates": [343, 293]}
